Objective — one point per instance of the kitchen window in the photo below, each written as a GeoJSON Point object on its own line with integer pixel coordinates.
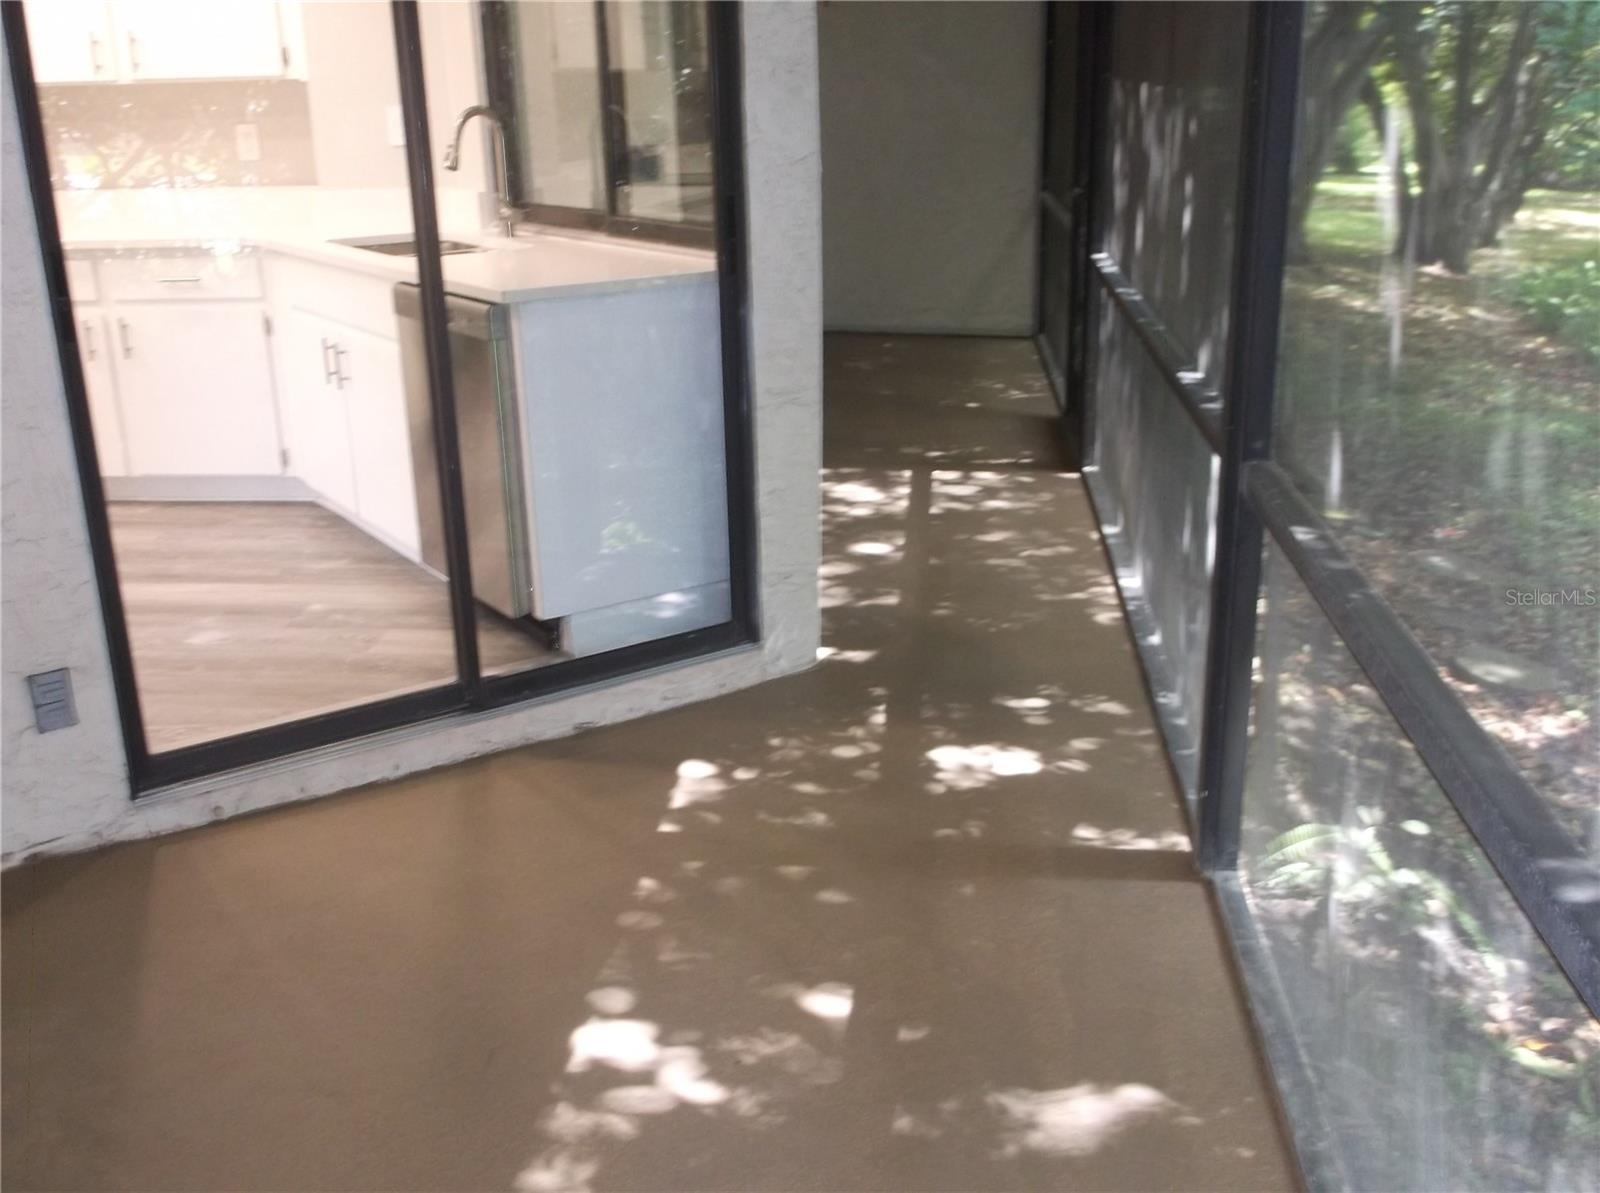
{"type": "Point", "coordinates": [609, 112]}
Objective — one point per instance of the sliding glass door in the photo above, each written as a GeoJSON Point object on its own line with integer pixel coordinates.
{"type": "Point", "coordinates": [362, 440]}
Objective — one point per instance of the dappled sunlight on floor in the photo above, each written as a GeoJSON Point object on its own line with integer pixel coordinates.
{"type": "Point", "coordinates": [920, 918]}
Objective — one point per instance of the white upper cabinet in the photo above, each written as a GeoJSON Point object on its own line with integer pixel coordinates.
{"type": "Point", "coordinates": [199, 39]}
{"type": "Point", "coordinates": [77, 41]}
{"type": "Point", "coordinates": [72, 41]}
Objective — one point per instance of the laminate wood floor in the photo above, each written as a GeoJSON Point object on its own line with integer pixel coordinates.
{"type": "Point", "coordinates": [244, 614]}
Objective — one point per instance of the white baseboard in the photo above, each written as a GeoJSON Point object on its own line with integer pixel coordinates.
{"type": "Point", "coordinates": [206, 488]}
{"type": "Point", "coordinates": [371, 531]}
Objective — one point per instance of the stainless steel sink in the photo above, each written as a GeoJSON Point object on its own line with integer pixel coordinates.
{"type": "Point", "coordinates": [397, 246]}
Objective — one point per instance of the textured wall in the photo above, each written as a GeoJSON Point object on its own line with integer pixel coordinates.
{"type": "Point", "coordinates": [67, 790]}
{"type": "Point", "coordinates": [930, 145]}
{"type": "Point", "coordinates": [50, 618]}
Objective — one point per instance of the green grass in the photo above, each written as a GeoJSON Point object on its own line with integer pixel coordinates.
{"type": "Point", "coordinates": [1521, 333]}
{"type": "Point", "coordinates": [1457, 413]}
{"type": "Point", "coordinates": [1552, 227]}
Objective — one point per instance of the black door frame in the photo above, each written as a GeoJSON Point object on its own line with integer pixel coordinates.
{"type": "Point", "coordinates": [470, 691]}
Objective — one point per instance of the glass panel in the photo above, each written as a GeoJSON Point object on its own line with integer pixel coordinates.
{"type": "Point", "coordinates": [1209, 43]}
{"type": "Point", "coordinates": [1440, 397]}
{"type": "Point", "coordinates": [1156, 497]}
{"type": "Point", "coordinates": [588, 389]}
{"type": "Point", "coordinates": [552, 50]}
{"type": "Point", "coordinates": [660, 70]}
{"type": "Point", "coordinates": [1061, 90]}
{"type": "Point", "coordinates": [232, 194]}
{"type": "Point", "coordinates": [1449, 1050]}
{"type": "Point", "coordinates": [1055, 274]}
{"type": "Point", "coordinates": [1175, 101]}
{"type": "Point", "coordinates": [1138, 62]}
{"type": "Point", "coordinates": [1054, 277]}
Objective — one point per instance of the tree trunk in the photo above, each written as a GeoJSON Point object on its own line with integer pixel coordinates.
{"type": "Point", "coordinates": [1413, 52]}
{"type": "Point", "coordinates": [1467, 174]}
{"type": "Point", "coordinates": [1338, 54]}
{"type": "Point", "coordinates": [1508, 199]}
{"type": "Point", "coordinates": [1508, 164]}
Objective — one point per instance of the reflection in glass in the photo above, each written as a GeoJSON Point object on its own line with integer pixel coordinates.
{"type": "Point", "coordinates": [587, 368]}
{"type": "Point", "coordinates": [610, 103]}
{"type": "Point", "coordinates": [1448, 1047]}
{"type": "Point", "coordinates": [1060, 164]}
{"type": "Point", "coordinates": [1168, 195]}
{"type": "Point", "coordinates": [1157, 508]}
{"type": "Point", "coordinates": [214, 166]}
{"type": "Point", "coordinates": [553, 51]}
{"type": "Point", "coordinates": [1061, 92]}
{"type": "Point", "coordinates": [1054, 303]}
{"type": "Point", "coordinates": [1439, 391]}
{"type": "Point", "coordinates": [1167, 198]}
{"type": "Point", "coordinates": [660, 68]}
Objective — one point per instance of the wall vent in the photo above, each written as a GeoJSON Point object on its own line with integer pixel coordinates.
{"type": "Point", "coordinates": [53, 707]}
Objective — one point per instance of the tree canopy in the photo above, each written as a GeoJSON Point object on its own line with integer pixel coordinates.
{"type": "Point", "coordinates": [1472, 102]}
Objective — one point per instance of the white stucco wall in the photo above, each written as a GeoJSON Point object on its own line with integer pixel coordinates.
{"type": "Point", "coordinates": [930, 146]}
{"type": "Point", "coordinates": [68, 790]}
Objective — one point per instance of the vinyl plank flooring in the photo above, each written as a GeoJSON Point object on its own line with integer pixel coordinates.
{"type": "Point", "coordinates": [245, 614]}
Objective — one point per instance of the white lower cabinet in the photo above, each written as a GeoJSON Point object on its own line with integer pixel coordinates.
{"type": "Point", "coordinates": [344, 411]}
{"type": "Point", "coordinates": [187, 378]}
{"type": "Point", "coordinates": [380, 437]}
{"type": "Point", "coordinates": [316, 428]}
{"type": "Point", "coordinates": [94, 350]}
{"type": "Point", "coordinates": [194, 381]}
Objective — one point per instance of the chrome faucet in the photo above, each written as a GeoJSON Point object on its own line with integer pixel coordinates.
{"type": "Point", "coordinates": [452, 159]}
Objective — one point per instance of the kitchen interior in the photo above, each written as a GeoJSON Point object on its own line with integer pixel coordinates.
{"type": "Point", "coordinates": [231, 187]}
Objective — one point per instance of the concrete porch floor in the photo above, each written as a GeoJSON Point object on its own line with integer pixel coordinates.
{"type": "Point", "coordinates": [921, 918]}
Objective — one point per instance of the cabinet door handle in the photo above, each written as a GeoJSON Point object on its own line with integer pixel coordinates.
{"type": "Point", "coordinates": [127, 340]}
{"type": "Point", "coordinates": [94, 55]}
{"type": "Point", "coordinates": [133, 53]}
{"type": "Point", "coordinates": [88, 338]}
{"type": "Point", "coordinates": [339, 375]}
{"type": "Point", "coordinates": [175, 281]}
{"type": "Point", "coordinates": [328, 368]}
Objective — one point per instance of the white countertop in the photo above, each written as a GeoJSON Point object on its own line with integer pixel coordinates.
{"type": "Point", "coordinates": [305, 223]}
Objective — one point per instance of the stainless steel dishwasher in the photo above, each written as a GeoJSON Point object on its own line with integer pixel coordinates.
{"type": "Point", "coordinates": [489, 429]}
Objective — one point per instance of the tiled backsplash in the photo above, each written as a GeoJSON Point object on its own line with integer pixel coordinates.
{"type": "Point", "coordinates": [253, 132]}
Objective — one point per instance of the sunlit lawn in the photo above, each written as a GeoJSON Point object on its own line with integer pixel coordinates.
{"type": "Point", "coordinates": [1434, 420]}
{"type": "Point", "coordinates": [1552, 225]}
